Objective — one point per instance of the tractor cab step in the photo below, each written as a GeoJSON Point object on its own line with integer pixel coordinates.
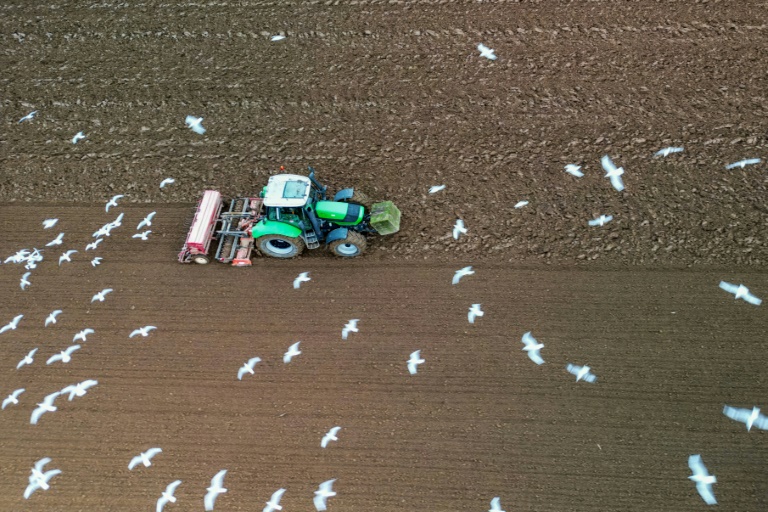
{"type": "Point", "coordinates": [310, 238]}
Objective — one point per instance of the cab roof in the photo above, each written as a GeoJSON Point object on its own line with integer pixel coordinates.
{"type": "Point", "coordinates": [287, 190]}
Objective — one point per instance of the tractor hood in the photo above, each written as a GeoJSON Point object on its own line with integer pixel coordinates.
{"type": "Point", "coordinates": [344, 214]}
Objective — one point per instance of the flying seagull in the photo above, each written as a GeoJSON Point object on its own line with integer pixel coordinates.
{"type": "Point", "coordinates": [113, 201]}
{"type": "Point", "coordinates": [28, 359]}
{"type": "Point", "coordinates": [195, 124]}
{"type": "Point", "coordinates": [79, 389]}
{"type": "Point", "coordinates": [49, 223]}
{"type": "Point", "coordinates": [459, 229]}
{"type": "Point", "coordinates": [574, 170]}
{"type": "Point", "coordinates": [52, 317]}
{"type": "Point", "coordinates": [278, 37]}
{"type": "Point", "coordinates": [740, 292]}
{"type": "Point", "coordinates": [216, 488]}
{"type": "Point", "coordinates": [330, 436]}
{"type": "Point", "coordinates": [436, 188]}
{"type": "Point", "coordinates": [248, 367]}
{"type": "Point", "coordinates": [78, 136]}
{"type": "Point", "coordinates": [466, 271]}
{"type": "Point", "coordinates": [496, 505]}
{"type": "Point", "coordinates": [323, 492]}
{"type": "Point", "coordinates": [274, 501]}
{"type": "Point", "coordinates": [414, 361]}
{"type": "Point", "coordinates": [64, 356]}
{"type": "Point", "coordinates": [12, 325]}
{"type": "Point", "coordinates": [303, 278]}
{"type": "Point", "coordinates": [56, 241]}
{"type": "Point", "coordinates": [167, 495]}
{"type": "Point", "coordinates": [143, 235]}
{"type": "Point", "coordinates": [532, 346]}
{"type": "Point", "coordinates": [82, 335]}
{"type": "Point", "coordinates": [144, 331]}
{"type": "Point", "coordinates": [601, 220]}
{"type": "Point", "coordinates": [147, 221]}
{"type": "Point", "coordinates": [668, 151]}
{"type": "Point", "coordinates": [581, 373]}
{"type": "Point", "coordinates": [25, 280]}
{"type": "Point", "coordinates": [613, 172]}
{"type": "Point", "coordinates": [101, 296]}
{"type": "Point", "coordinates": [520, 204]}
{"type": "Point", "coordinates": [351, 326]}
{"type": "Point", "coordinates": [486, 52]}
{"type": "Point", "coordinates": [39, 479]}
{"type": "Point", "coordinates": [28, 117]}
{"type": "Point", "coordinates": [293, 350]}
{"type": "Point", "coordinates": [144, 458]}
{"type": "Point", "coordinates": [45, 406]}
{"type": "Point", "coordinates": [13, 398]}
{"type": "Point", "coordinates": [749, 417]}
{"type": "Point", "coordinates": [94, 245]}
{"type": "Point", "coordinates": [96, 261]}
{"type": "Point", "coordinates": [703, 479]}
{"type": "Point", "coordinates": [742, 163]}
{"type": "Point", "coordinates": [66, 256]}
{"type": "Point", "coordinates": [167, 181]}
{"type": "Point", "coordinates": [474, 312]}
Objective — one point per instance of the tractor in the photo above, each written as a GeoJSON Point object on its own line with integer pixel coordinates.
{"type": "Point", "coordinates": [291, 213]}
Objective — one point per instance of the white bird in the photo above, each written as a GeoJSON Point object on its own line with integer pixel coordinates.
{"type": "Point", "coordinates": [749, 417]}
{"type": "Point", "coordinates": [742, 163]}
{"type": "Point", "coordinates": [248, 367]}
{"type": "Point", "coordinates": [195, 124]}
{"type": "Point", "coordinates": [668, 151]}
{"type": "Point", "coordinates": [13, 398]}
{"type": "Point", "coordinates": [293, 350]}
{"type": "Point", "coordinates": [28, 359]}
{"type": "Point", "coordinates": [49, 223]}
{"type": "Point", "coordinates": [96, 261]}
{"type": "Point", "coordinates": [144, 331]}
{"type": "Point", "coordinates": [113, 202]}
{"type": "Point", "coordinates": [520, 204]}
{"type": "Point", "coordinates": [66, 256]}
{"type": "Point", "coordinates": [93, 245]}
{"type": "Point", "coordinates": [45, 406]}
{"type": "Point", "coordinates": [303, 278]}
{"type": "Point", "coordinates": [581, 373]}
{"type": "Point", "coordinates": [39, 479]}
{"type": "Point", "coordinates": [323, 492]}
{"type": "Point", "coordinates": [496, 505]}
{"type": "Point", "coordinates": [64, 356]}
{"type": "Point", "coordinates": [532, 346]}
{"type": "Point", "coordinates": [144, 458]}
{"type": "Point", "coordinates": [147, 221]}
{"type": "Point", "coordinates": [613, 172]}
{"type": "Point", "coordinates": [78, 136]}
{"type": "Point", "coordinates": [216, 488]}
{"type": "Point", "coordinates": [601, 220]}
{"type": "Point", "coordinates": [434, 189]}
{"type": "Point", "coordinates": [100, 296]}
{"type": "Point", "coordinates": [474, 312]}
{"type": "Point", "coordinates": [330, 436]}
{"type": "Point", "coordinates": [466, 271]}
{"type": "Point", "coordinates": [414, 361]}
{"type": "Point", "coordinates": [56, 241]}
{"type": "Point", "coordinates": [82, 335]}
{"type": "Point", "coordinates": [486, 52]}
{"type": "Point", "coordinates": [79, 389]}
{"type": "Point", "coordinates": [52, 317]}
{"type": "Point", "coordinates": [459, 229]}
{"type": "Point", "coordinates": [274, 501]}
{"type": "Point", "coordinates": [740, 292]}
{"type": "Point", "coordinates": [12, 325]}
{"type": "Point", "coordinates": [351, 326]}
{"type": "Point", "coordinates": [167, 496]}
{"type": "Point", "coordinates": [143, 235]}
{"type": "Point", "coordinates": [25, 280]}
{"type": "Point", "coordinates": [28, 117]}
{"type": "Point", "coordinates": [574, 170]}
{"type": "Point", "coordinates": [278, 37]}
{"type": "Point", "coordinates": [703, 479]}
{"type": "Point", "coordinates": [167, 181]}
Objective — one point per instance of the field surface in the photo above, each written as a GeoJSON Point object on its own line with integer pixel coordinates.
{"type": "Point", "coordinates": [391, 97]}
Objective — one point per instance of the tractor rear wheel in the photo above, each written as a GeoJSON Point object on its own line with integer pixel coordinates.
{"type": "Point", "coordinates": [361, 199]}
{"type": "Point", "coordinates": [352, 245]}
{"type": "Point", "coordinates": [279, 246]}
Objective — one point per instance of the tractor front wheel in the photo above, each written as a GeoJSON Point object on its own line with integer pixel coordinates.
{"type": "Point", "coordinates": [352, 245]}
{"type": "Point", "coordinates": [279, 246]}
{"type": "Point", "coordinates": [361, 199]}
